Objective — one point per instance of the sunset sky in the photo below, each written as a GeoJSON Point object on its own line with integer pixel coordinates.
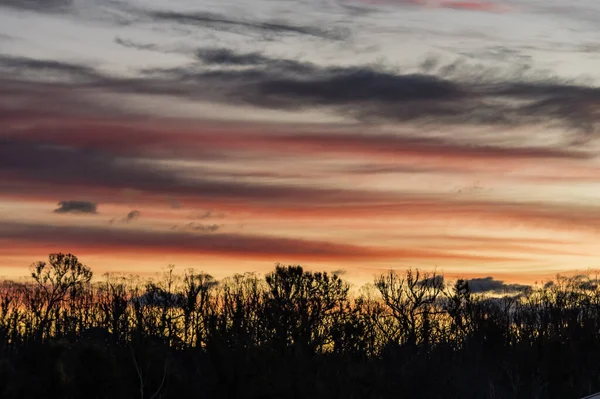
{"type": "Point", "coordinates": [342, 135]}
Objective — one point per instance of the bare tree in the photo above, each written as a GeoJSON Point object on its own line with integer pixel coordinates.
{"type": "Point", "coordinates": [412, 300]}
{"type": "Point", "coordinates": [61, 276]}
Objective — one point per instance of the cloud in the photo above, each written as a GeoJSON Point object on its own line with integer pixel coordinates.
{"type": "Point", "coordinates": [156, 296]}
{"type": "Point", "coordinates": [133, 215]}
{"type": "Point", "coordinates": [79, 238]}
{"type": "Point", "coordinates": [205, 228]}
{"type": "Point", "coordinates": [173, 49]}
{"type": "Point", "coordinates": [489, 284]}
{"type": "Point", "coordinates": [38, 169]}
{"type": "Point", "coordinates": [38, 5]}
{"type": "Point", "coordinates": [207, 215]}
{"type": "Point", "coordinates": [423, 147]}
{"type": "Point", "coordinates": [37, 68]}
{"type": "Point", "coordinates": [138, 46]}
{"type": "Point", "coordinates": [243, 26]}
{"type": "Point", "coordinates": [473, 6]}
{"type": "Point", "coordinates": [223, 56]}
{"type": "Point", "coordinates": [454, 94]}
{"type": "Point", "coordinates": [46, 167]}
{"type": "Point", "coordinates": [39, 165]}
{"type": "Point", "coordinates": [76, 207]}
{"type": "Point", "coordinates": [451, 4]}
{"type": "Point", "coordinates": [387, 153]}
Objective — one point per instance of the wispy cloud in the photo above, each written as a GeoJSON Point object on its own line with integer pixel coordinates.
{"type": "Point", "coordinates": [117, 240]}
{"type": "Point", "coordinates": [240, 25]}
{"type": "Point", "coordinates": [76, 207]}
{"type": "Point", "coordinates": [223, 56]}
{"type": "Point", "coordinates": [453, 93]}
{"type": "Point", "coordinates": [38, 5]}
{"type": "Point", "coordinates": [450, 94]}
{"type": "Point", "coordinates": [40, 165]}
{"type": "Point", "coordinates": [486, 6]}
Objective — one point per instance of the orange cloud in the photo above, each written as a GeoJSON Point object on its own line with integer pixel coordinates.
{"type": "Point", "coordinates": [214, 143]}
{"type": "Point", "coordinates": [113, 241]}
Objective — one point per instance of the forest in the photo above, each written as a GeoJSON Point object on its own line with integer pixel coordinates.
{"type": "Point", "coordinates": [293, 333]}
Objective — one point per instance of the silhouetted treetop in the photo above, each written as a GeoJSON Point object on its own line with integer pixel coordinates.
{"type": "Point", "coordinates": [293, 333]}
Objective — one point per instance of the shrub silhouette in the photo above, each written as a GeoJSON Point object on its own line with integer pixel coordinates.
{"type": "Point", "coordinates": [292, 334]}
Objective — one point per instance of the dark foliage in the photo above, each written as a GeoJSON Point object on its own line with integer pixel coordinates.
{"type": "Point", "coordinates": [293, 334]}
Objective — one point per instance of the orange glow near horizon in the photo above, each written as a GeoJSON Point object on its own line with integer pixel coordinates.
{"type": "Point", "coordinates": [357, 202]}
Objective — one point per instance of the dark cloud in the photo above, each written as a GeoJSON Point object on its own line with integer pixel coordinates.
{"type": "Point", "coordinates": [38, 5]}
{"type": "Point", "coordinates": [156, 296]}
{"type": "Point", "coordinates": [31, 68]}
{"type": "Point", "coordinates": [47, 167]}
{"type": "Point", "coordinates": [174, 49]}
{"type": "Point", "coordinates": [165, 142]}
{"type": "Point", "coordinates": [496, 53]}
{"type": "Point", "coordinates": [223, 56]}
{"type": "Point", "coordinates": [207, 215]}
{"type": "Point", "coordinates": [133, 215]}
{"type": "Point", "coordinates": [76, 207]}
{"type": "Point", "coordinates": [222, 22]}
{"type": "Point", "coordinates": [228, 58]}
{"type": "Point", "coordinates": [137, 46]}
{"type": "Point", "coordinates": [79, 238]}
{"type": "Point", "coordinates": [205, 228]}
{"type": "Point", "coordinates": [489, 284]}
{"type": "Point", "coordinates": [453, 94]}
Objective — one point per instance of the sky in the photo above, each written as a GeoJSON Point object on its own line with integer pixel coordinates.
{"type": "Point", "coordinates": [354, 136]}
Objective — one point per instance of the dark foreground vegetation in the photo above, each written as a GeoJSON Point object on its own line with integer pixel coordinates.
{"type": "Point", "coordinates": [292, 334]}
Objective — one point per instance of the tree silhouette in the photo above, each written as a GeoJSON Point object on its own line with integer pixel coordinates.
{"type": "Point", "coordinates": [293, 333]}
{"type": "Point", "coordinates": [59, 279]}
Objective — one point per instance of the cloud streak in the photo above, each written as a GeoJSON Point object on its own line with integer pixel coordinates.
{"type": "Point", "coordinates": [40, 165]}
{"type": "Point", "coordinates": [76, 207]}
{"type": "Point", "coordinates": [451, 94]}
{"type": "Point", "coordinates": [38, 5]}
{"type": "Point", "coordinates": [115, 240]}
{"type": "Point", "coordinates": [485, 6]}
{"type": "Point", "coordinates": [222, 22]}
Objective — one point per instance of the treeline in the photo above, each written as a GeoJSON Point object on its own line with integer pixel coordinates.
{"type": "Point", "coordinates": [292, 334]}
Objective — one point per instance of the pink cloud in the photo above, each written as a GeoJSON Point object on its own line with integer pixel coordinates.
{"type": "Point", "coordinates": [473, 6]}
{"type": "Point", "coordinates": [452, 4]}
